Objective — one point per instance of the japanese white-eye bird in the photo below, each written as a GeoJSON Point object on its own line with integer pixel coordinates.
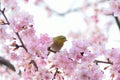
{"type": "Point", "coordinates": [58, 43]}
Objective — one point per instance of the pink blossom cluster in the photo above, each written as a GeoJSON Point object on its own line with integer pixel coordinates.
{"type": "Point", "coordinates": [29, 53]}
{"type": "Point", "coordinates": [12, 5]}
{"type": "Point", "coordinates": [20, 20]}
{"type": "Point", "coordinates": [115, 7]}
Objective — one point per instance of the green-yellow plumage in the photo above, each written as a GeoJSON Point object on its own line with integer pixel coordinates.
{"type": "Point", "coordinates": [58, 42]}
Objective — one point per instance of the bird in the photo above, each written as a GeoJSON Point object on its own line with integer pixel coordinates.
{"type": "Point", "coordinates": [57, 44]}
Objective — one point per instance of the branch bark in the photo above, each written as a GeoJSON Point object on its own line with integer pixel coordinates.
{"type": "Point", "coordinates": [105, 62]}
{"type": "Point", "coordinates": [21, 41]}
{"type": "Point", "coordinates": [7, 63]}
{"type": "Point", "coordinates": [117, 21]}
{"type": "Point", "coordinates": [3, 13]}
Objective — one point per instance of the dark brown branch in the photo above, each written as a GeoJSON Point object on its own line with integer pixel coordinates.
{"type": "Point", "coordinates": [3, 13]}
{"type": "Point", "coordinates": [21, 41]}
{"type": "Point", "coordinates": [55, 74]}
{"type": "Point", "coordinates": [33, 62]}
{"type": "Point", "coordinates": [7, 63]}
{"type": "Point", "coordinates": [98, 61]}
{"type": "Point", "coordinates": [117, 21]}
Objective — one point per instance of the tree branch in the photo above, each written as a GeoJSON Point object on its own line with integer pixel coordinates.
{"type": "Point", "coordinates": [55, 74]}
{"type": "Point", "coordinates": [65, 13]}
{"type": "Point", "coordinates": [3, 13]}
{"type": "Point", "coordinates": [70, 10]}
{"type": "Point", "coordinates": [6, 63]}
{"type": "Point", "coordinates": [117, 21]}
{"type": "Point", "coordinates": [98, 61]}
{"type": "Point", "coordinates": [33, 62]}
{"type": "Point", "coordinates": [21, 41]}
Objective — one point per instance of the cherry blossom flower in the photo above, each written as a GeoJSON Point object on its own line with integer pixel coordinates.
{"type": "Point", "coordinates": [3, 33]}
{"type": "Point", "coordinates": [115, 7]}
{"type": "Point", "coordinates": [14, 56]}
{"type": "Point", "coordinates": [12, 5]}
{"type": "Point", "coordinates": [118, 77]}
{"type": "Point", "coordinates": [78, 49]}
{"type": "Point", "coordinates": [61, 60]}
{"type": "Point", "coordinates": [87, 72]}
{"type": "Point", "coordinates": [36, 2]}
{"type": "Point", "coordinates": [30, 56]}
{"type": "Point", "coordinates": [44, 39]}
{"type": "Point", "coordinates": [19, 20]}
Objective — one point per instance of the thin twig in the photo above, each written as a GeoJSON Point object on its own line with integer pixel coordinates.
{"type": "Point", "coordinates": [98, 61]}
{"type": "Point", "coordinates": [117, 21]}
{"type": "Point", "coordinates": [21, 41]}
{"type": "Point", "coordinates": [3, 13]}
{"type": "Point", "coordinates": [55, 74]}
{"type": "Point", "coordinates": [33, 62]}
